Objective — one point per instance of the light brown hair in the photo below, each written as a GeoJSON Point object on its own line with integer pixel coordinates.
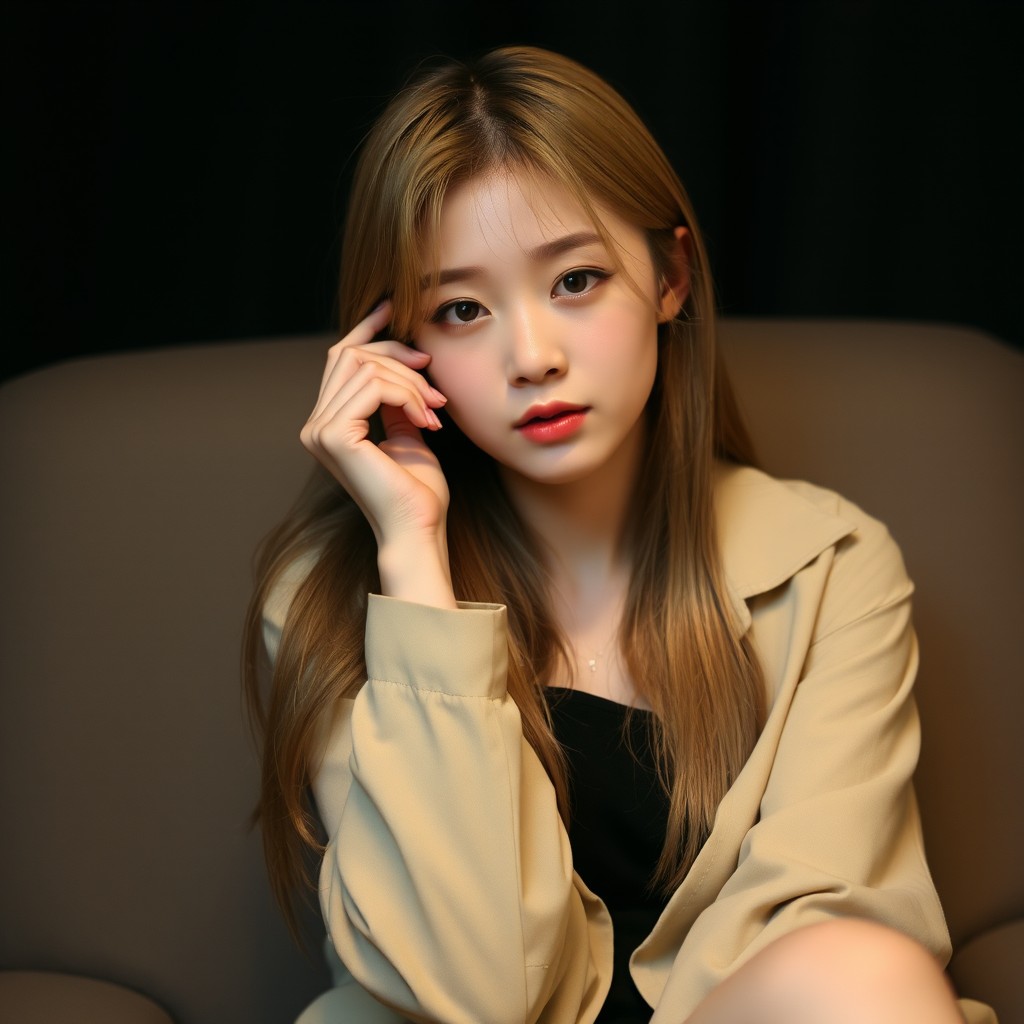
{"type": "Point", "coordinates": [522, 109]}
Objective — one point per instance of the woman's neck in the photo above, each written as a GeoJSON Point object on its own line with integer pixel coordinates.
{"type": "Point", "coordinates": [582, 523]}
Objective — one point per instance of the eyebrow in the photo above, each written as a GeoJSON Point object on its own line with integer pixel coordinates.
{"type": "Point", "coordinates": [542, 252]}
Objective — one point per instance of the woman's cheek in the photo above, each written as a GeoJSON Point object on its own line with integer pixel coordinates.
{"type": "Point", "coordinates": [462, 386]}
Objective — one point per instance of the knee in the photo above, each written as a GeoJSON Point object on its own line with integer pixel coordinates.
{"type": "Point", "coordinates": [860, 961]}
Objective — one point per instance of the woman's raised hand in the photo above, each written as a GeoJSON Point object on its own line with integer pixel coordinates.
{"type": "Point", "coordinates": [398, 484]}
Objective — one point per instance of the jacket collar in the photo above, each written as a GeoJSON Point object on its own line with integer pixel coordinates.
{"type": "Point", "coordinates": [767, 531]}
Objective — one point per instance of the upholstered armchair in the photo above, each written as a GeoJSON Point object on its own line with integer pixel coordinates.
{"type": "Point", "coordinates": [134, 491]}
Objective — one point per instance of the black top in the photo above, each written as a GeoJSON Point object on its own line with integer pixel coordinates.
{"type": "Point", "coordinates": [619, 813]}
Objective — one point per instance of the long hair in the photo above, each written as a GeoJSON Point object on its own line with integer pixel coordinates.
{"type": "Point", "coordinates": [522, 109]}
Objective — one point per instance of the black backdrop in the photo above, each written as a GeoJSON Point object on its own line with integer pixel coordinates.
{"type": "Point", "coordinates": [179, 169]}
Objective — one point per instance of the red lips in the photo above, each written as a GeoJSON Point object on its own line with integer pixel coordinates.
{"type": "Point", "coordinates": [550, 411]}
{"type": "Point", "coordinates": [552, 423]}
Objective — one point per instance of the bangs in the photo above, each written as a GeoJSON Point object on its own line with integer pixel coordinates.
{"type": "Point", "coordinates": [418, 264]}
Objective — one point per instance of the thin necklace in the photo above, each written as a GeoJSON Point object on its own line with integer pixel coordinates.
{"type": "Point", "coordinates": [599, 654]}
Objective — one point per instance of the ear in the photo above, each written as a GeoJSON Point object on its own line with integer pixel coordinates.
{"type": "Point", "coordinates": [676, 286]}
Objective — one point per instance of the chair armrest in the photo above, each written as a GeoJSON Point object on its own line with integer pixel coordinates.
{"type": "Point", "coordinates": [988, 967]}
{"type": "Point", "coordinates": [42, 997]}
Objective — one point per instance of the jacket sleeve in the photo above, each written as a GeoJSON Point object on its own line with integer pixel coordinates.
{"type": "Point", "coordinates": [447, 883]}
{"type": "Point", "coordinates": [836, 831]}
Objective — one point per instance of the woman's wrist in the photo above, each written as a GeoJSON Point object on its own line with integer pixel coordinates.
{"type": "Point", "coordinates": [417, 570]}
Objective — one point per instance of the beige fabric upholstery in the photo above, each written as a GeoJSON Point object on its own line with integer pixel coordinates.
{"type": "Point", "coordinates": [923, 425]}
{"type": "Point", "coordinates": [991, 963]}
{"type": "Point", "coordinates": [40, 997]}
{"type": "Point", "coordinates": [135, 488]}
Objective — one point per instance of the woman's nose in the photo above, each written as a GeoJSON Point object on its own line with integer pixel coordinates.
{"type": "Point", "coordinates": [535, 349]}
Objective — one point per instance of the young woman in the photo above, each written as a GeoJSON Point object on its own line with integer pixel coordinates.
{"type": "Point", "coordinates": [602, 723]}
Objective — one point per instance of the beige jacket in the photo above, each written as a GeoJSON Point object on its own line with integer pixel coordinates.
{"type": "Point", "coordinates": [447, 886]}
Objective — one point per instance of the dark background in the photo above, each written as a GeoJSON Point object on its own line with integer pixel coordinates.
{"type": "Point", "coordinates": [178, 170]}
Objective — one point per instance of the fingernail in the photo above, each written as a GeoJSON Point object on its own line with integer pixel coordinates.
{"type": "Point", "coordinates": [432, 416]}
{"type": "Point", "coordinates": [380, 305]}
{"type": "Point", "coordinates": [437, 394]}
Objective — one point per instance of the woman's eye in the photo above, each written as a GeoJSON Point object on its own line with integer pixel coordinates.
{"type": "Point", "coordinates": [576, 282]}
{"type": "Point", "coordinates": [462, 312]}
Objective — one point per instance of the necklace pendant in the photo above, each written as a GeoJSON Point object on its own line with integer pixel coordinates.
{"type": "Point", "coordinates": [592, 664]}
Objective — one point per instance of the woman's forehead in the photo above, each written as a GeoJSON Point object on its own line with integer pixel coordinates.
{"type": "Point", "coordinates": [509, 213]}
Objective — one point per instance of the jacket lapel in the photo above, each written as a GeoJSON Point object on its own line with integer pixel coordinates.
{"type": "Point", "coordinates": [767, 532]}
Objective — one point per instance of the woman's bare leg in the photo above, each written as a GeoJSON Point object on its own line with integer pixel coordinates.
{"type": "Point", "coordinates": [840, 972]}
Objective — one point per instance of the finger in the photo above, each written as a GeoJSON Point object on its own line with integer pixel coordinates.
{"type": "Point", "coordinates": [391, 349]}
{"type": "Point", "coordinates": [341, 429]}
{"type": "Point", "coordinates": [362, 334]}
{"type": "Point", "coordinates": [352, 368]}
{"type": "Point", "coordinates": [393, 373]}
{"type": "Point", "coordinates": [396, 424]}
{"type": "Point", "coordinates": [376, 320]}
{"type": "Point", "coordinates": [397, 350]}
{"type": "Point", "coordinates": [343, 360]}
{"type": "Point", "coordinates": [341, 444]}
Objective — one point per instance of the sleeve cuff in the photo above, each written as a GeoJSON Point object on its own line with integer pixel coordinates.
{"type": "Point", "coordinates": [463, 653]}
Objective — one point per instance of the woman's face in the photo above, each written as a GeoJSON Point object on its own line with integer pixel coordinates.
{"type": "Point", "coordinates": [543, 346]}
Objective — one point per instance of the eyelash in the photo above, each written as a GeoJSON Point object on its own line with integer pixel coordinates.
{"type": "Point", "coordinates": [600, 276]}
